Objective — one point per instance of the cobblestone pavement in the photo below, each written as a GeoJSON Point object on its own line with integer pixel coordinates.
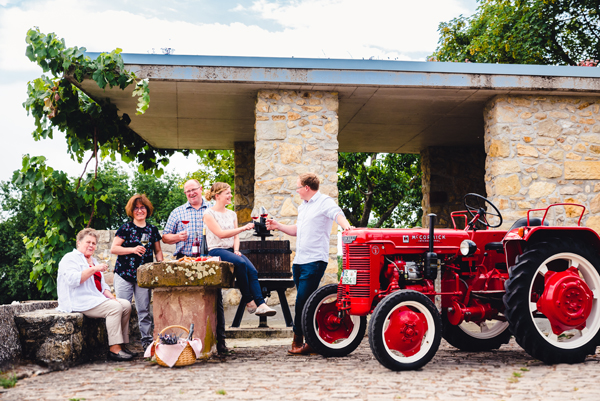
{"type": "Point", "coordinates": [261, 370]}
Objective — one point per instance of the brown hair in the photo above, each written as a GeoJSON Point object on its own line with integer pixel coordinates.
{"type": "Point", "coordinates": [309, 179]}
{"type": "Point", "coordinates": [134, 200]}
{"type": "Point", "coordinates": [216, 189]}
{"type": "Point", "coordinates": [85, 232]}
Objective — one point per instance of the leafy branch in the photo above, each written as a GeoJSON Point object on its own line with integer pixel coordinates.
{"type": "Point", "coordinates": [56, 101]}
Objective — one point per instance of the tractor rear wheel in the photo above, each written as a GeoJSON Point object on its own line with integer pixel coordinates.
{"type": "Point", "coordinates": [326, 330]}
{"type": "Point", "coordinates": [476, 336]}
{"type": "Point", "coordinates": [405, 330]}
{"type": "Point", "coordinates": [551, 300]}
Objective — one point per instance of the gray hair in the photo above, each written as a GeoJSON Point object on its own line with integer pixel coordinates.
{"type": "Point", "coordinates": [85, 232]}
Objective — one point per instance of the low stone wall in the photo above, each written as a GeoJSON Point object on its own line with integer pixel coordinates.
{"type": "Point", "coordinates": [93, 337]}
{"type": "Point", "coordinates": [10, 346]}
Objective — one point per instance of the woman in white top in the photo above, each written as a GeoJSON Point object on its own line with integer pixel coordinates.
{"type": "Point", "coordinates": [81, 288]}
{"type": "Point", "coordinates": [222, 240]}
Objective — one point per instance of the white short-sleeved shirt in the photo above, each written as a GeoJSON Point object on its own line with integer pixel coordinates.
{"type": "Point", "coordinates": [315, 219]}
{"type": "Point", "coordinates": [72, 296]}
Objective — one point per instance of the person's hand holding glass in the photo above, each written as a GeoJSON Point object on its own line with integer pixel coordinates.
{"type": "Point", "coordinates": [183, 235]}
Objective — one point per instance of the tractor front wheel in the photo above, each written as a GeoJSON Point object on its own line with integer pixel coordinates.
{"type": "Point", "coordinates": [328, 331]}
{"type": "Point", "coordinates": [551, 300]}
{"type": "Point", "coordinates": [405, 330]}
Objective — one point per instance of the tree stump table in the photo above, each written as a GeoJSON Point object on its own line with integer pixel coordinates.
{"type": "Point", "coordinates": [186, 293]}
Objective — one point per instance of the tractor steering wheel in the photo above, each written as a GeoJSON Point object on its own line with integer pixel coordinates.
{"type": "Point", "coordinates": [481, 211]}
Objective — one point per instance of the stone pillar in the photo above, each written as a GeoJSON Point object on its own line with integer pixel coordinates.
{"type": "Point", "coordinates": [244, 180]}
{"type": "Point", "coordinates": [543, 150]}
{"type": "Point", "coordinates": [449, 173]}
{"type": "Point", "coordinates": [296, 132]}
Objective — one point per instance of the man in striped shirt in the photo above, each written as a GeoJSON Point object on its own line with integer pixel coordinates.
{"type": "Point", "coordinates": [176, 232]}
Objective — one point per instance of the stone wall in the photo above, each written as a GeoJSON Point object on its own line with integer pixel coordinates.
{"type": "Point", "coordinates": [449, 173]}
{"type": "Point", "coordinates": [244, 180]}
{"type": "Point", "coordinates": [543, 150]}
{"type": "Point", "coordinates": [296, 132]}
{"type": "Point", "coordinates": [10, 346]}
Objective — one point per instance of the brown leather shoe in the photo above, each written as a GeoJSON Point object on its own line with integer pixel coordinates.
{"type": "Point", "coordinates": [307, 350]}
{"type": "Point", "coordinates": [297, 344]}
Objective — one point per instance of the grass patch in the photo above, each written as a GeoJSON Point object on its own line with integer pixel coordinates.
{"type": "Point", "coordinates": [221, 392]}
{"type": "Point", "coordinates": [517, 374]}
{"type": "Point", "coordinates": [8, 382]}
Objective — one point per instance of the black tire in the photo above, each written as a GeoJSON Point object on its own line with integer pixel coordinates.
{"type": "Point", "coordinates": [526, 283]}
{"type": "Point", "coordinates": [405, 309]}
{"type": "Point", "coordinates": [327, 338]}
{"type": "Point", "coordinates": [473, 337]}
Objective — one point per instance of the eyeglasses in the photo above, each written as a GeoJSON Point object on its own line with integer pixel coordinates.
{"type": "Point", "coordinates": [297, 188]}
{"type": "Point", "coordinates": [189, 191]}
{"type": "Point", "coordinates": [139, 209]}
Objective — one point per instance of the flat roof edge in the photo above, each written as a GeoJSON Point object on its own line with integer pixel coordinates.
{"type": "Point", "coordinates": [357, 65]}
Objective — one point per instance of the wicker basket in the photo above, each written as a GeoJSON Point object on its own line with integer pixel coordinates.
{"type": "Point", "coordinates": [187, 356]}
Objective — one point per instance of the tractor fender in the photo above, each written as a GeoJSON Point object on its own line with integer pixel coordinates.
{"type": "Point", "coordinates": [514, 247]}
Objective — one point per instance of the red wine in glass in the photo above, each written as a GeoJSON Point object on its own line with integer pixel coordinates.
{"type": "Point", "coordinates": [185, 222]}
{"type": "Point", "coordinates": [263, 212]}
{"type": "Point", "coordinates": [254, 214]}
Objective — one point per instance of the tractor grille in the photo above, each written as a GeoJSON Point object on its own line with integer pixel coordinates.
{"type": "Point", "coordinates": [357, 257]}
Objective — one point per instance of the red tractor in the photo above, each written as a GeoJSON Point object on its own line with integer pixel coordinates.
{"type": "Point", "coordinates": [473, 286]}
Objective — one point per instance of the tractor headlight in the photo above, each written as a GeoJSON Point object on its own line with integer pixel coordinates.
{"type": "Point", "coordinates": [468, 248]}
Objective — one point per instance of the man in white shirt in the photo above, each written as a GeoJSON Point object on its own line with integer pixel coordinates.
{"type": "Point", "coordinates": [316, 215]}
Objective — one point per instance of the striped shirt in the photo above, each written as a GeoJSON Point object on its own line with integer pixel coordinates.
{"type": "Point", "coordinates": [195, 217]}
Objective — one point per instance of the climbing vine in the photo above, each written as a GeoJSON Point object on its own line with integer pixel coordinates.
{"type": "Point", "coordinates": [56, 102]}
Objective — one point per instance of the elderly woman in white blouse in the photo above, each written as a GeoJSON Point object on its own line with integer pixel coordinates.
{"type": "Point", "coordinates": [81, 288]}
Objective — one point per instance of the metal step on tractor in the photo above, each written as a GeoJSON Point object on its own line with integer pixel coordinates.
{"type": "Point", "coordinates": [473, 286]}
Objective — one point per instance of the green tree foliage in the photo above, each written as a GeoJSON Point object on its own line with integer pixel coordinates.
{"type": "Point", "coordinates": [17, 220]}
{"type": "Point", "coordinates": [217, 166]}
{"type": "Point", "coordinates": [165, 193]}
{"type": "Point", "coordinates": [25, 212]}
{"type": "Point", "coordinates": [560, 32]}
{"type": "Point", "coordinates": [56, 102]}
{"type": "Point", "coordinates": [386, 186]}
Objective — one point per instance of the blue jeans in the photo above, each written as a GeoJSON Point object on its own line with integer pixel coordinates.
{"type": "Point", "coordinates": [307, 277]}
{"type": "Point", "coordinates": [245, 274]}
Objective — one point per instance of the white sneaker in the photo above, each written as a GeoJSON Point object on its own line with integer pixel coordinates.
{"type": "Point", "coordinates": [264, 310]}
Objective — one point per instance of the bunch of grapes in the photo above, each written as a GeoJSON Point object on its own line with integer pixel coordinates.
{"type": "Point", "coordinates": [169, 339]}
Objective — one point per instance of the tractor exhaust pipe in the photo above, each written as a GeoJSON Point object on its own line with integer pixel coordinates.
{"type": "Point", "coordinates": [432, 265]}
{"type": "Point", "coordinates": [431, 225]}
{"type": "Point", "coordinates": [431, 260]}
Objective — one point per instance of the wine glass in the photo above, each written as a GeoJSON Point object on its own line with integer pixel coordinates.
{"type": "Point", "coordinates": [263, 212]}
{"type": "Point", "coordinates": [145, 239]}
{"type": "Point", "coordinates": [254, 214]}
{"type": "Point", "coordinates": [185, 223]}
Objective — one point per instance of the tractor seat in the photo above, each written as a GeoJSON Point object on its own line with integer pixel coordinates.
{"type": "Point", "coordinates": [522, 222]}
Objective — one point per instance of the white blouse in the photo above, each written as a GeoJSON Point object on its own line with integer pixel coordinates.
{"type": "Point", "coordinates": [72, 296]}
{"type": "Point", "coordinates": [226, 221]}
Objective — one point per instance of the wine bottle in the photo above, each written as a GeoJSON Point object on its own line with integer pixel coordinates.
{"type": "Point", "coordinates": [204, 247]}
{"type": "Point", "coordinates": [190, 336]}
{"type": "Point", "coordinates": [196, 247]}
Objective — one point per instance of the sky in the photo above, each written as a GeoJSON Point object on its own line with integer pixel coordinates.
{"type": "Point", "coordinates": [345, 29]}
